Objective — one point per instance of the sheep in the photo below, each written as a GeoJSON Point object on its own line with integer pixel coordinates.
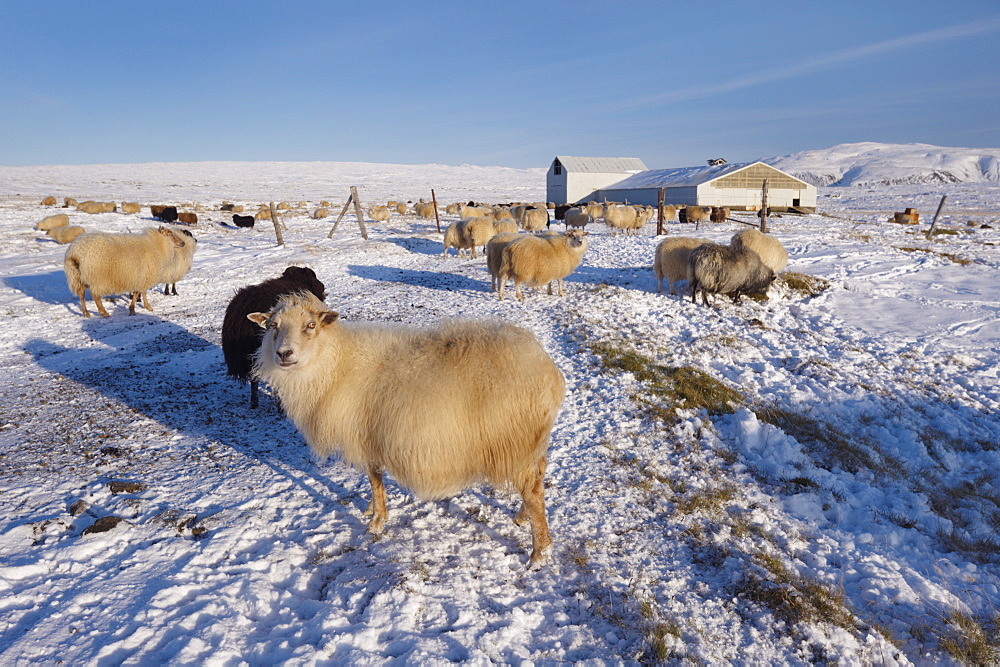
{"type": "Point", "coordinates": [109, 207]}
{"type": "Point", "coordinates": [321, 213]}
{"type": "Point", "coordinates": [671, 259]}
{"type": "Point", "coordinates": [91, 207]}
{"type": "Point", "coordinates": [470, 211]}
{"type": "Point", "coordinates": [537, 260]}
{"type": "Point", "coordinates": [770, 250]}
{"type": "Point", "coordinates": [165, 213]}
{"type": "Point", "coordinates": [494, 254]}
{"type": "Point", "coordinates": [505, 225]}
{"type": "Point", "coordinates": [48, 201]}
{"type": "Point", "coordinates": [669, 212]}
{"type": "Point", "coordinates": [226, 206]}
{"type": "Point", "coordinates": [324, 203]}
{"type": "Point", "coordinates": [379, 213]}
{"type": "Point", "coordinates": [534, 219]}
{"type": "Point", "coordinates": [241, 338]}
{"type": "Point", "coordinates": [187, 218]}
{"type": "Point", "coordinates": [643, 214]}
{"type": "Point", "coordinates": [51, 222]}
{"type": "Point", "coordinates": [477, 232]}
{"type": "Point", "coordinates": [244, 220]}
{"type": "Point", "coordinates": [424, 210]}
{"type": "Point", "coordinates": [719, 214]}
{"type": "Point", "coordinates": [65, 235]}
{"type": "Point", "coordinates": [619, 218]}
{"type": "Point", "coordinates": [450, 209]}
{"type": "Point", "coordinates": [118, 264]}
{"type": "Point", "coordinates": [720, 269]}
{"type": "Point", "coordinates": [454, 237]}
{"type": "Point", "coordinates": [262, 214]}
{"type": "Point", "coordinates": [440, 409]}
{"type": "Point", "coordinates": [577, 217]}
{"type": "Point", "coordinates": [180, 261]}
{"type": "Point", "coordinates": [517, 212]}
{"type": "Point", "coordinates": [696, 214]}
{"type": "Point", "coordinates": [401, 208]}
{"type": "Point", "coordinates": [69, 202]}
{"type": "Point", "coordinates": [595, 211]}
{"type": "Point", "coordinates": [130, 207]}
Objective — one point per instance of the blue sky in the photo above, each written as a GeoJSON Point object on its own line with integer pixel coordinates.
{"type": "Point", "coordinates": [501, 83]}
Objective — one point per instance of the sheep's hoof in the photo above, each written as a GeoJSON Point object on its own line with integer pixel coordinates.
{"type": "Point", "coordinates": [521, 517]}
{"type": "Point", "coordinates": [539, 557]}
{"type": "Point", "coordinates": [376, 525]}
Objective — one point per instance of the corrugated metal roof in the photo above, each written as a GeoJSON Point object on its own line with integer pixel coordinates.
{"type": "Point", "coordinates": [676, 178]}
{"type": "Point", "coordinates": [602, 165]}
{"type": "Point", "coordinates": [684, 177]}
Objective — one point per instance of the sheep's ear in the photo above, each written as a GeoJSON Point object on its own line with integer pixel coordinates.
{"type": "Point", "coordinates": [259, 318]}
{"type": "Point", "coordinates": [329, 317]}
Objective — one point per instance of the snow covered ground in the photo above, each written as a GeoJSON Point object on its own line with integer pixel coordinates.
{"type": "Point", "coordinates": [844, 509]}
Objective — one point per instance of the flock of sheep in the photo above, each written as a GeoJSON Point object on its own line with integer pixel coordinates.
{"type": "Point", "coordinates": [438, 427]}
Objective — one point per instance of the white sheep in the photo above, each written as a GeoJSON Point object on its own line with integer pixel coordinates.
{"type": "Point", "coordinates": [671, 259]}
{"type": "Point", "coordinates": [401, 208]}
{"type": "Point", "coordinates": [534, 219]}
{"type": "Point", "coordinates": [477, 232]}
{"type": "Point", "coordinates": [577, 217]}
{"type": "Point", "coordinates": [424, 210]}
{"type": "Point", "coordinates": [543, 259]}
{"type": "Point", "coordinates": [379, 213]}
{"type": "Point", "coordinates": [619, 219]}
{"type": "Point", "coordinates": [69, 202]}
{"type": "Point", "coordinates": [320, 213]}
{"type": "Point", "coordinates": [770, 250]}
{"type": "Point", "coordinates": [65, 234]}
{"type": "Point", "coordinates": [697, 214]}
{"type": "Point", "coordinates": [51, 222]}
{"type": "Point", "coordinates": [494, 254]}
{"type": "Point", "coordinates": [454, 237]}
{"type": "Point", "coordinates": [180, 261]}
{"type": "Point", "coordinates": [48, 201]}
{"type": "Point", "coordinates": [118, 264]}
{"type": "Point", "coordinates": [439, 409]}
{"type": "Point", "coordinates": [505, 225]}
{"type": "Point", "coordinates": [130, 207]}
{"type": "Point", "coordinates": [722, 269]}
{"type": "Point", "coordinates": [467, 212]}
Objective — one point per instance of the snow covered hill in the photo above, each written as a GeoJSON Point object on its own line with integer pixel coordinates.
{"type": "Point", "coordinates": [868, 163]}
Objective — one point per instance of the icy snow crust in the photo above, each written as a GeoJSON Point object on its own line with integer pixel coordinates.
{"type": "Point", "coordinates": [239, 548]}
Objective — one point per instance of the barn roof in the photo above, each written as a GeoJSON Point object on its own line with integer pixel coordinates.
{"type": "Point", "coordinates": [601, 165]}
{"type": "Point", "coordinates": [684, 177]}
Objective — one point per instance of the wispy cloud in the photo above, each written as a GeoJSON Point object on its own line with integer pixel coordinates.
{"type": "Point", "coordinates": [827, 61]}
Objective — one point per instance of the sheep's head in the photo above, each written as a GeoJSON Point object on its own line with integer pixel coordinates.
{"type": "Point", "coordinates": [291, 329]}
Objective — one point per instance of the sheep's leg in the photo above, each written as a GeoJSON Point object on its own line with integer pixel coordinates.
{"type": "Point", "coordinates": [559, 283]}
{"type": "Point", "coordinates": [517, 291]}
{"type": "Point", "coordinates": [253, 394]}
{"type": "Point", "coordinates": [376, 508]}
{"type": "Point", "coordinates": [503, 284]}
{"type": "Point", "coordinates": [83, 305]}
{"type": "Point", "coordinates": [550, 286]}
{"type": "Point", "coordinates": [100, 305]}
{"type": "Point", "coordinates": [145, 303]}
{"type": "Point", "coordinates": [533, 492]}
{"type": "Point", "coordinates": [659, 286]}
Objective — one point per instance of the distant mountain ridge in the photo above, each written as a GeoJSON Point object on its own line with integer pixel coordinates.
{"type": "Point", "coordinates": [870, 163]}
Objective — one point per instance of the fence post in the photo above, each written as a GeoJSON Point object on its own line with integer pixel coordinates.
{"type": "Point", "coordinates": [277, 224]}
{"type": "Point", "coordinates": [763, 208]}
{"type": "Point", "coordinates": [436, 218]}
{"type": "Point", "coordinates": [930, 232]}
{"type": "Point", "coordinates": [659, 211]}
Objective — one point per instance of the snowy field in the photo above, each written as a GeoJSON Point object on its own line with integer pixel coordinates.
{"type": "Point", "coordinates": [841, 508]}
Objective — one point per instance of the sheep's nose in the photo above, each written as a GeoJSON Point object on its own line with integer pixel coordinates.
{"type": "Point", "coordinates": [284, 355]}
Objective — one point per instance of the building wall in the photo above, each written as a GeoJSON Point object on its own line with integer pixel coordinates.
{"type": "Point", "coordinates": [705, 195]}
{"type": "Point", "coordinates": [569, 188]}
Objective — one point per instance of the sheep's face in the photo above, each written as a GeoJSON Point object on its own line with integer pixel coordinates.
{"type": "Point", "coordinates": [291, 329]}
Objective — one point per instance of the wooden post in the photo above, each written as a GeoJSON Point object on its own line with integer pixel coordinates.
{"type": "Point", "coordinates": [357, 211]}
{"type": "Point", "coordinates": [436, 218]}
{"type": "Point", "coordinates": [659, 211]}
{"type": "Point", "coordinates": [763, 208]}
{"type": "Point", "coordinates": [930, 232]}
{"type": "Point", "coordinates": [277, 223]}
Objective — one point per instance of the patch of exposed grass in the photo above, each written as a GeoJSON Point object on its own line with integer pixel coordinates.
{"type": "Point", "coordinates": [674, 387]}
{"type": "Point", "coordinates": [710, 500]}
{"type": "Point", "coordinates": [803, 285]}
{"type": "Point", "coordinates": [794, 598]}
{"type": "Point", "coordinates": [947, 255]}
{"type": "Point", "coordinates": [954, 502]}
{"type": "Point", "coordinates": [831, 446]}
{"type": "Point", "coordinates": [967, 641]}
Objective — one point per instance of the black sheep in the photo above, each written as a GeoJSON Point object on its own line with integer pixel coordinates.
{"type": "Point", "coordinates": [243, 220]}
{"type": "Point", "coordinates": [241, 337]}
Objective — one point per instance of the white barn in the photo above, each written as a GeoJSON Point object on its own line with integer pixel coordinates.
{"type": "Point", "coordinates": [574, 179]}
{"type": "Point", "coordinates": [737, 186]}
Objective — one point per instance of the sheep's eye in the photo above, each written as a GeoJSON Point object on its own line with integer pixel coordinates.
{"type": "Point", "coordinates": [311, 326]}
{"type": "Point", "coordinates": [271, 324]}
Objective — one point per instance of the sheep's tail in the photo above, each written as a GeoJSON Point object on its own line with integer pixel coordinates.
{"type": "Point", "coordinates": [74, 278]}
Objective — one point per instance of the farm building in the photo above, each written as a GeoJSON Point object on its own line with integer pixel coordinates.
{"type": "Point", "coordinates": [737, 186]}
{"type": "Point", "coordinates": [573, 179]}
